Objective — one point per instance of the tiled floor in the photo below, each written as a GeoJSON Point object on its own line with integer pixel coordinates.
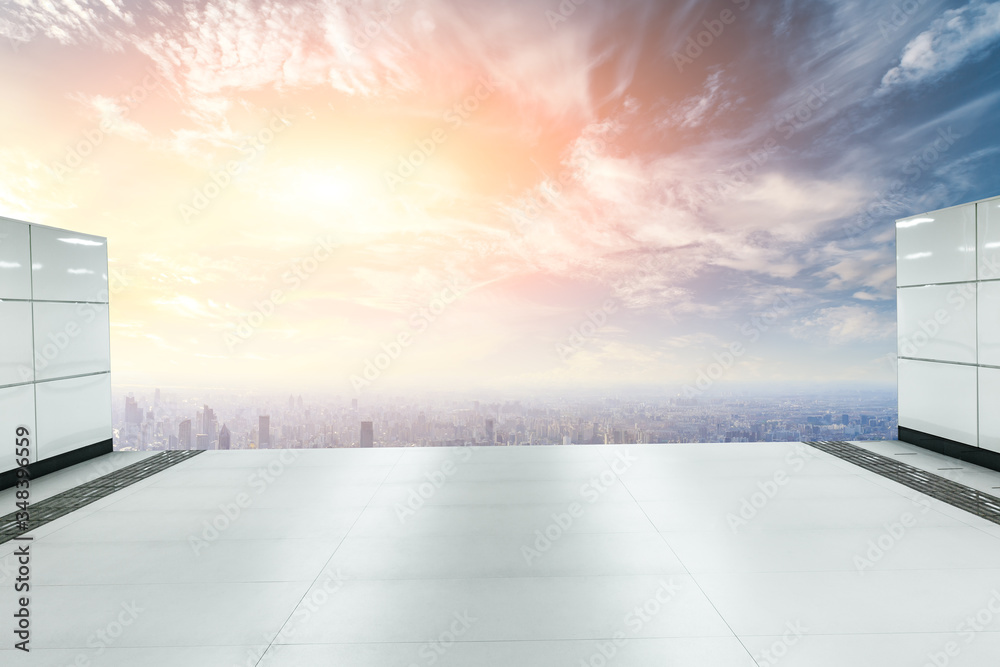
{"type": "Point", "coordinates": [723, 555]}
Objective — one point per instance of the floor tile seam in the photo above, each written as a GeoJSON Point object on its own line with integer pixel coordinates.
{"type": "Point", "coordinates": [693, 578]}
{"type": "Point", "coordinates": [526, 640]}
{"type": "Point", "coordinates": [323, 568]}
{"type": "Point", "coordinates": [171, 582]}
{"type": "Point", "coordinates": [525, 577]}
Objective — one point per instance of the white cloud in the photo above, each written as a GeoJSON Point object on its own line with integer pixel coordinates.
{"type": "Point", "coordinates": [959, 35]}
{"type": "Point", "coordinates": [699, 109]}
{"type": "Point", "coordinates": [845, 324]}
{"type": "Point", "coordinates": [869, 271]}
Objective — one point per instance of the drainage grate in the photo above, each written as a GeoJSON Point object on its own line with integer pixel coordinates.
{"type": "Point", "coordinates": [61, 504]}
{"type": "Point", "coordinates": [964, 497]}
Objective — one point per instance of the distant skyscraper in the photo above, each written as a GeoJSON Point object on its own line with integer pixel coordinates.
{"type": "Point", "coordinates": [208, 423]}
{"type": "Point", "coordinates": [201, 441]}
{"type": "Point", "coordinates": [133, 415]}
{"type": "Point", "coordinates": [184, 435]}
{"type": "Point", "coordinates": [845, 419]}
{"type": "Point", "coordinates": [354, 404]}
{"type": "Point", "coordinates": [367, 435]}
{"type": "Point", "coordinates": [264, 432]}
{"type": "Point", "coordinates": [490, 437]}
{"type": "Point", "coordinates": [224, 438]}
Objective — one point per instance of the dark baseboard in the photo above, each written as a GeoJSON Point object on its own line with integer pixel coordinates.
{"type": "Point", "coordinates": [957, 450]}
{"type": "Point", "coordinates": [54, 463]}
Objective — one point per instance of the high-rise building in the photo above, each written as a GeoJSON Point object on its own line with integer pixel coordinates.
{"type": "Point", "coordinates": [133, 414]}
{"type": "Point", "coordinates": [201, 441]}
{"type": "Point", "coordinates": [367, 434]}
{"type": "Point", "coordinates": [224, 438]}
{"type": "Point", "coordinates": [208, 423]}
{"type": "Point", "coordinates": [184, 435]}
{"type": "Point", "coordinates": [354, 404]}
{"type": "Point", "coordinates": [490, 437]}
{"type": "Point", "coordinates": [264, 432]}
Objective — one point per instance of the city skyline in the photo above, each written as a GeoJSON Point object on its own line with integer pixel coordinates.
{"type": "Point", "coordinates": [368, 198]}
{"type": "Point", "coordinates": [336, 422]}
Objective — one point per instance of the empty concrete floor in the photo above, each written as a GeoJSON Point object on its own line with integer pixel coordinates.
{"type": "Point", "coordinates": [702, 555]}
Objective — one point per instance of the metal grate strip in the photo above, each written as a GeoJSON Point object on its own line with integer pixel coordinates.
{"type": "Point", "coordinates": [61, 504]}
{"type": "Point", "coordinates": [963, 497]}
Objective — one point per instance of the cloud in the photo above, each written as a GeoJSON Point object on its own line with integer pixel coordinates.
{"type": "Point", "coordinates": [841, 325]}
{"type": "Point", "coordinates": [871, 272]}
{"type": "Point", "coordinates": [112, 117]}
{"type": "Point", "coordinates": [699, 109]}
{"type": "Point", "coordinates": [651, 192]}
{"type": "Point", "coordinates": [958, 36]}
{"type": "Point", "coordinates": [68, 22]}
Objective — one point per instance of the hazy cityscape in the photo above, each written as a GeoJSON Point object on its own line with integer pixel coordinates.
{"type": "Point", "coordinates": [187, 419]}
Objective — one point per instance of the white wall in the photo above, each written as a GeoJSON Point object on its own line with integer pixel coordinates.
{"type": "Point", "coordinates": [948, 322]}
{"type": "Point", "coordinates": [55, 351]}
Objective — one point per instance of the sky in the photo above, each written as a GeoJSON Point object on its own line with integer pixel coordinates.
{"type": "Point", "coordinates": [376, 196]}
